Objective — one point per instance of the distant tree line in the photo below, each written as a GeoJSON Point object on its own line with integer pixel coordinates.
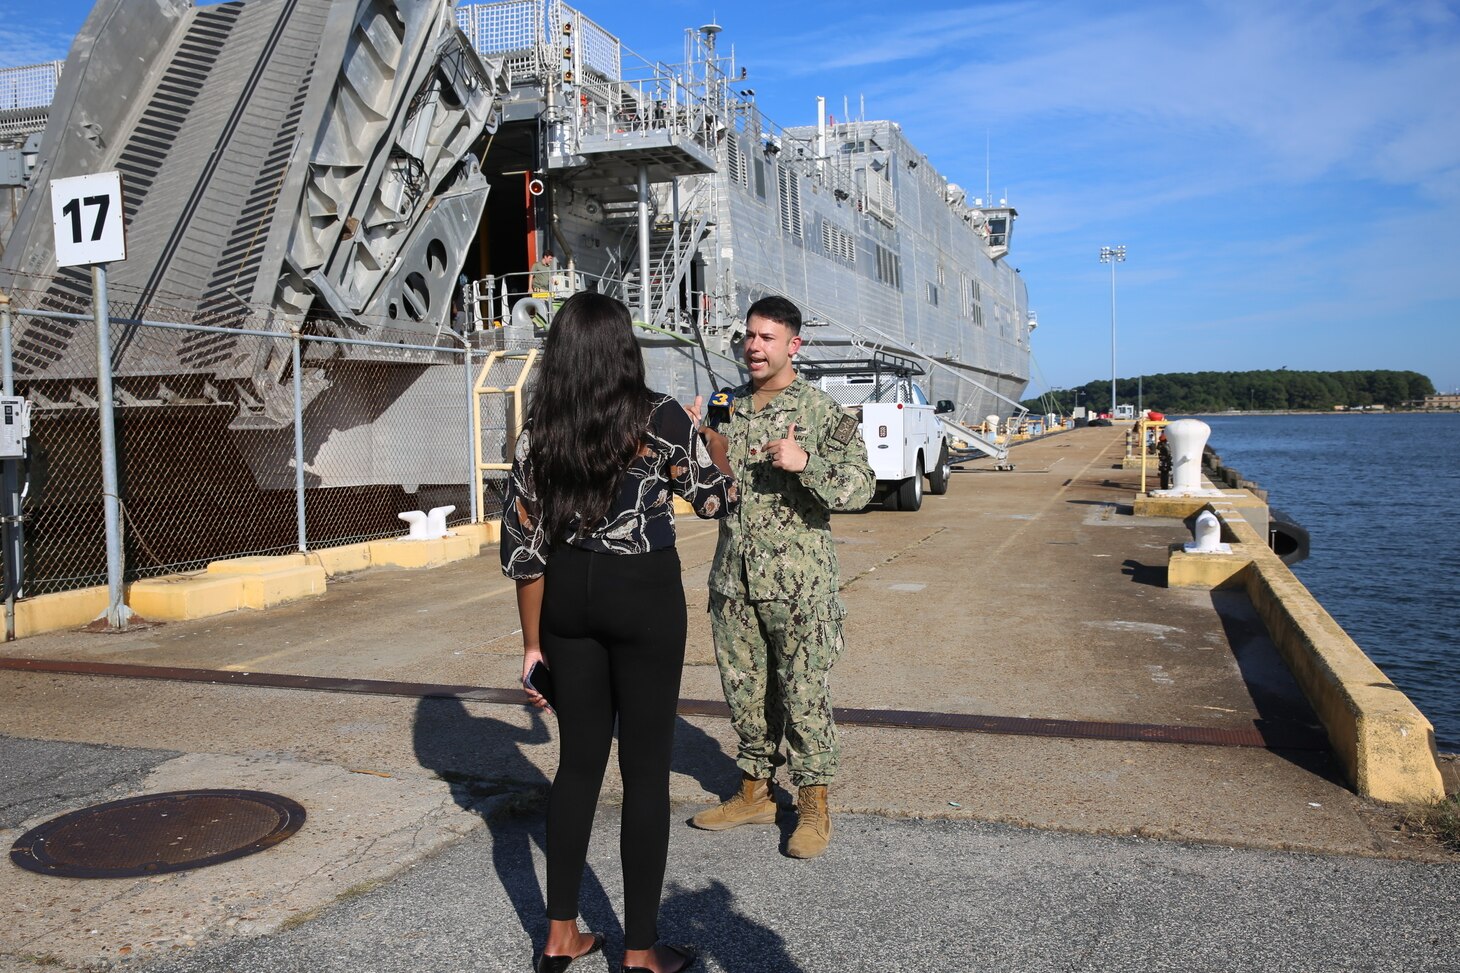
{"type": "Point", "coordinates": [1187, 392]}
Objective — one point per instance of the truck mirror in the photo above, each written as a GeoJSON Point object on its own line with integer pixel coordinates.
{"type": "Point", "coordinates": [944, 405]}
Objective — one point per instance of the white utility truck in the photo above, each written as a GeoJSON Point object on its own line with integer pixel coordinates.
{"type": "Point", "coordinates": [905, 441]}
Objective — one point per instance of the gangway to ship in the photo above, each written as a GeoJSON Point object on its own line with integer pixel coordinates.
{"type": "Point", "coordinates": [977, 442]}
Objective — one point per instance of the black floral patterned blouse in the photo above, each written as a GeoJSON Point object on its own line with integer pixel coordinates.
{"type": "Point", "coordinates": [672, 460]}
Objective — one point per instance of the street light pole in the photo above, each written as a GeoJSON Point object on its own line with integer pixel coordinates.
{"type": "Point", "coordinates": [1112, 256]}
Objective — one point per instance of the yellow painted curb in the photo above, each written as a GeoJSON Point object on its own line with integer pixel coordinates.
{"type": "Point", "coordinates": [269, 581]}
{"type": "Point", "coordinates": [256, 581]}
{"type": "Point", "coordinates": [256, 564]}
{"type": "Point", "coordinates": [1252, 507]}
{"type": "Point", "coordinates": [269, 588]}
{"type": "Point", "coordinates": [1207, 571]}
{"type": "Point", "coordinates": [459, 547]}
{"type": "Point", "coordinates": [401, 553]}
{"type": "Point", "coordinates": [176, 598]}
{"type": "Point", "coordinates": [1386, 745]}
{"type": "Point", "coordinates": [341, 560]}
{"type": "Point", "coordinates": [487, 532]}
{"type": "Point", "coordinates": [64, 609]}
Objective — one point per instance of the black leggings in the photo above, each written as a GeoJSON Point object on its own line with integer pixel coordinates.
{"type": "Point", "coordinates": [613, 630]}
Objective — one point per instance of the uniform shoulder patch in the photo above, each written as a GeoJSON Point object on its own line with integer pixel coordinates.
{"type": "Point", "coordinates": [845, 430]}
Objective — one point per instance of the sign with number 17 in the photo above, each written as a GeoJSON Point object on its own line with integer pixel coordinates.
{"type": "Point", "coordinates": [86, 212]}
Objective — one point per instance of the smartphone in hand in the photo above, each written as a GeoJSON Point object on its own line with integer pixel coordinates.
{"type": "Point", "coordinates": [540, 678]}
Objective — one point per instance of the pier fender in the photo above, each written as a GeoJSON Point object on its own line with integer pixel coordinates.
{"type": "Point", "coordinates": [1288, 539]}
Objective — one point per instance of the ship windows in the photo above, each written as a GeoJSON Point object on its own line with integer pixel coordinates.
{"type": "Point", "coordinates": [759, 176]}
{"type": "Point", "coordinates": [998, 231]}
{"type": "Point", "coordinates": [789, 184]}
{"type": "Point", "coordinates": [932, 293]}
{"type": "Point", "coordinates": [889, 267]}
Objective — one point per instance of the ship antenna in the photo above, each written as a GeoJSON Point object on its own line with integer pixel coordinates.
{"type": "Point", "coordinates": [988, 192]}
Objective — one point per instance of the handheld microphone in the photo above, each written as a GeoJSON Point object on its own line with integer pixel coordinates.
{"type": "Point", "coordinates": [722, 403]}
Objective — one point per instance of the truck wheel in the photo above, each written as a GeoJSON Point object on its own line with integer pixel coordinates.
{"type": "Point", "coordinates": [910, 491]}
{"type": "Point", "coordinates": [941, 474]}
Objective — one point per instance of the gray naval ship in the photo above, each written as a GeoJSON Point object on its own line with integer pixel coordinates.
{"type": "Point", "coordinates": [396, 169]}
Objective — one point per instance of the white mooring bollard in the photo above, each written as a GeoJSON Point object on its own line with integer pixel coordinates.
{"type": "Point", "coordinates": [1207, 536]}
{"type": "Point", "coordinates": [436, 520]}
{"type": "Point", "coordinates": [1186, 439]}
{"type": "Point", "coordinates": [417, 520]}
{"type": "Point", "coordinates": [427, 526]}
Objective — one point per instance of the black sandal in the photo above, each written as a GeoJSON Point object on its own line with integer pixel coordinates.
{"type": "Point", "coordinates": [690, 954]}
{"type": "Point", "coordinates": [557, 964]}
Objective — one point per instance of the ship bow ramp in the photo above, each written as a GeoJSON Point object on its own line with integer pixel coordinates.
{"type": "Point", "coordinates": [286, 164]}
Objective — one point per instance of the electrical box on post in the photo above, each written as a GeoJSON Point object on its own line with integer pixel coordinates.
{"type": "Point", "coordinates": [14, 426]}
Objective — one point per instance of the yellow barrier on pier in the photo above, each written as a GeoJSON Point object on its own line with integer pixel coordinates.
{"type": "Point", "coordinates": [1385, 744]}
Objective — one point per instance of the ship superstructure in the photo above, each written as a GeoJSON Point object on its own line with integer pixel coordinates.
{"type": "Point", "coordinates": [847, 218]}
{"type": "Point", "coordinates": [629, 170]}
{"type": "Point", "coordinates": [366, 182]}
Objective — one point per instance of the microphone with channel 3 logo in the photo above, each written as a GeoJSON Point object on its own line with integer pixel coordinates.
{"type": "Point", "coordinates": [722, 403]}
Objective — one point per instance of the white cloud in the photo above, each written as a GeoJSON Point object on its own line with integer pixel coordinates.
{"type": "Point", "coordinates": [22, 45]}
{"type": "Point", "coordinates": [1356, 89]}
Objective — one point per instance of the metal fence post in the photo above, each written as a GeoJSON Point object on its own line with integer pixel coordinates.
{"type": "Point", "coordinates": [298, 441]}
{"type": "Point", "coordinates": [116, 612]}
{"type": "Point", "coordinates": [472, 473]}
{"type": "Point", "coordinates": [14, 526]}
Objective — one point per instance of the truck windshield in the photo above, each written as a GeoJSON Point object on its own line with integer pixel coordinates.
{"type": "Point", "coordinates": [918, 397]}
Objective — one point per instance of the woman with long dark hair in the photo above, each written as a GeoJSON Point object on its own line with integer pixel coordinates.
{"type": "Point", "coordinates": [588, 534]}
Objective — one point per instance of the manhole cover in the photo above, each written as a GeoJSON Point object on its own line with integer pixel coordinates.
{"type": "Point", "coordinates": [158, 833]}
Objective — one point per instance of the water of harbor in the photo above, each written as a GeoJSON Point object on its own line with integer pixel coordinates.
{"type": "Point", "coordinates": [1376, 493]}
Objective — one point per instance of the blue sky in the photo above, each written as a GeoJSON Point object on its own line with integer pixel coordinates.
{"type": "Point", "coordinates": [1285, 177]}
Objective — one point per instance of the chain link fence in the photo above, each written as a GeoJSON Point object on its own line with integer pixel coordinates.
{"type": "Point", "coordinates": [208, 459]}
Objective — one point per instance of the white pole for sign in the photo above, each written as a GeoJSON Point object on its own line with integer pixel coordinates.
{"type": "Point", "coordinates": [14, 537]}
{"type": "Point", "coordinates": [116, 612]}
{"type": "Point", "coordinates": [299, 520]}
{"type": "Point", "coordinates": [90, 230]}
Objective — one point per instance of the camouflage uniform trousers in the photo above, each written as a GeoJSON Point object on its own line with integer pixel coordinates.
{"type": "Point", "coordinates": [774, 659]}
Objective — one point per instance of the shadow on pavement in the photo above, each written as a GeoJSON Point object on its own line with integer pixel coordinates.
{"type": "Point", "coordinates": [1147, 574]}
{"type": "Point", "coordinates": [482, 757]}
{"type": "Point", "coordinates": [708, 919]}
{"type": "Point", "coordinates": [1283, 711]}
{"type": "Point", "coordinates": [700, 756]}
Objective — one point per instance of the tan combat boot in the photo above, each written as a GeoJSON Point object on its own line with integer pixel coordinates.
{"type": "Point", "coordinates": [752, 804]}
{"type": "Point", "coordinates": [813, 829]}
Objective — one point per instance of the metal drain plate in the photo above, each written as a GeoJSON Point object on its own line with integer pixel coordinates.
{"type": "Point", "coordinates": [158, 833]}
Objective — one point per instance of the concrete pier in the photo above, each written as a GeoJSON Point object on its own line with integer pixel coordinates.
{"type": "Point", "coordinates": [1035, 598]}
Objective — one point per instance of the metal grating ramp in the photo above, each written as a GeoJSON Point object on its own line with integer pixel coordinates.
{"type": "Point", "coordinates": [222, 148]}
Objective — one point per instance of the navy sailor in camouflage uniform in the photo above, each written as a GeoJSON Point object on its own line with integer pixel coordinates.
{"type": "Point", "coordinates": [774, 604]}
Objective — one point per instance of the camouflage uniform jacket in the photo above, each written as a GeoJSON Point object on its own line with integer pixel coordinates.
{"type": "Point", "coordinates": [777, 545]}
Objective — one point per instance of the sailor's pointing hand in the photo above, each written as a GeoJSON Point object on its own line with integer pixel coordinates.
{"type": "Point", "coordinates": [787, 454]}
{"type": "Point", "coordinates": [696, 411]}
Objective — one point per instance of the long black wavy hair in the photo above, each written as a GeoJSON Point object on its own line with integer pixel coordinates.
{"type": "Point", "coordinates": [589, 413]}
